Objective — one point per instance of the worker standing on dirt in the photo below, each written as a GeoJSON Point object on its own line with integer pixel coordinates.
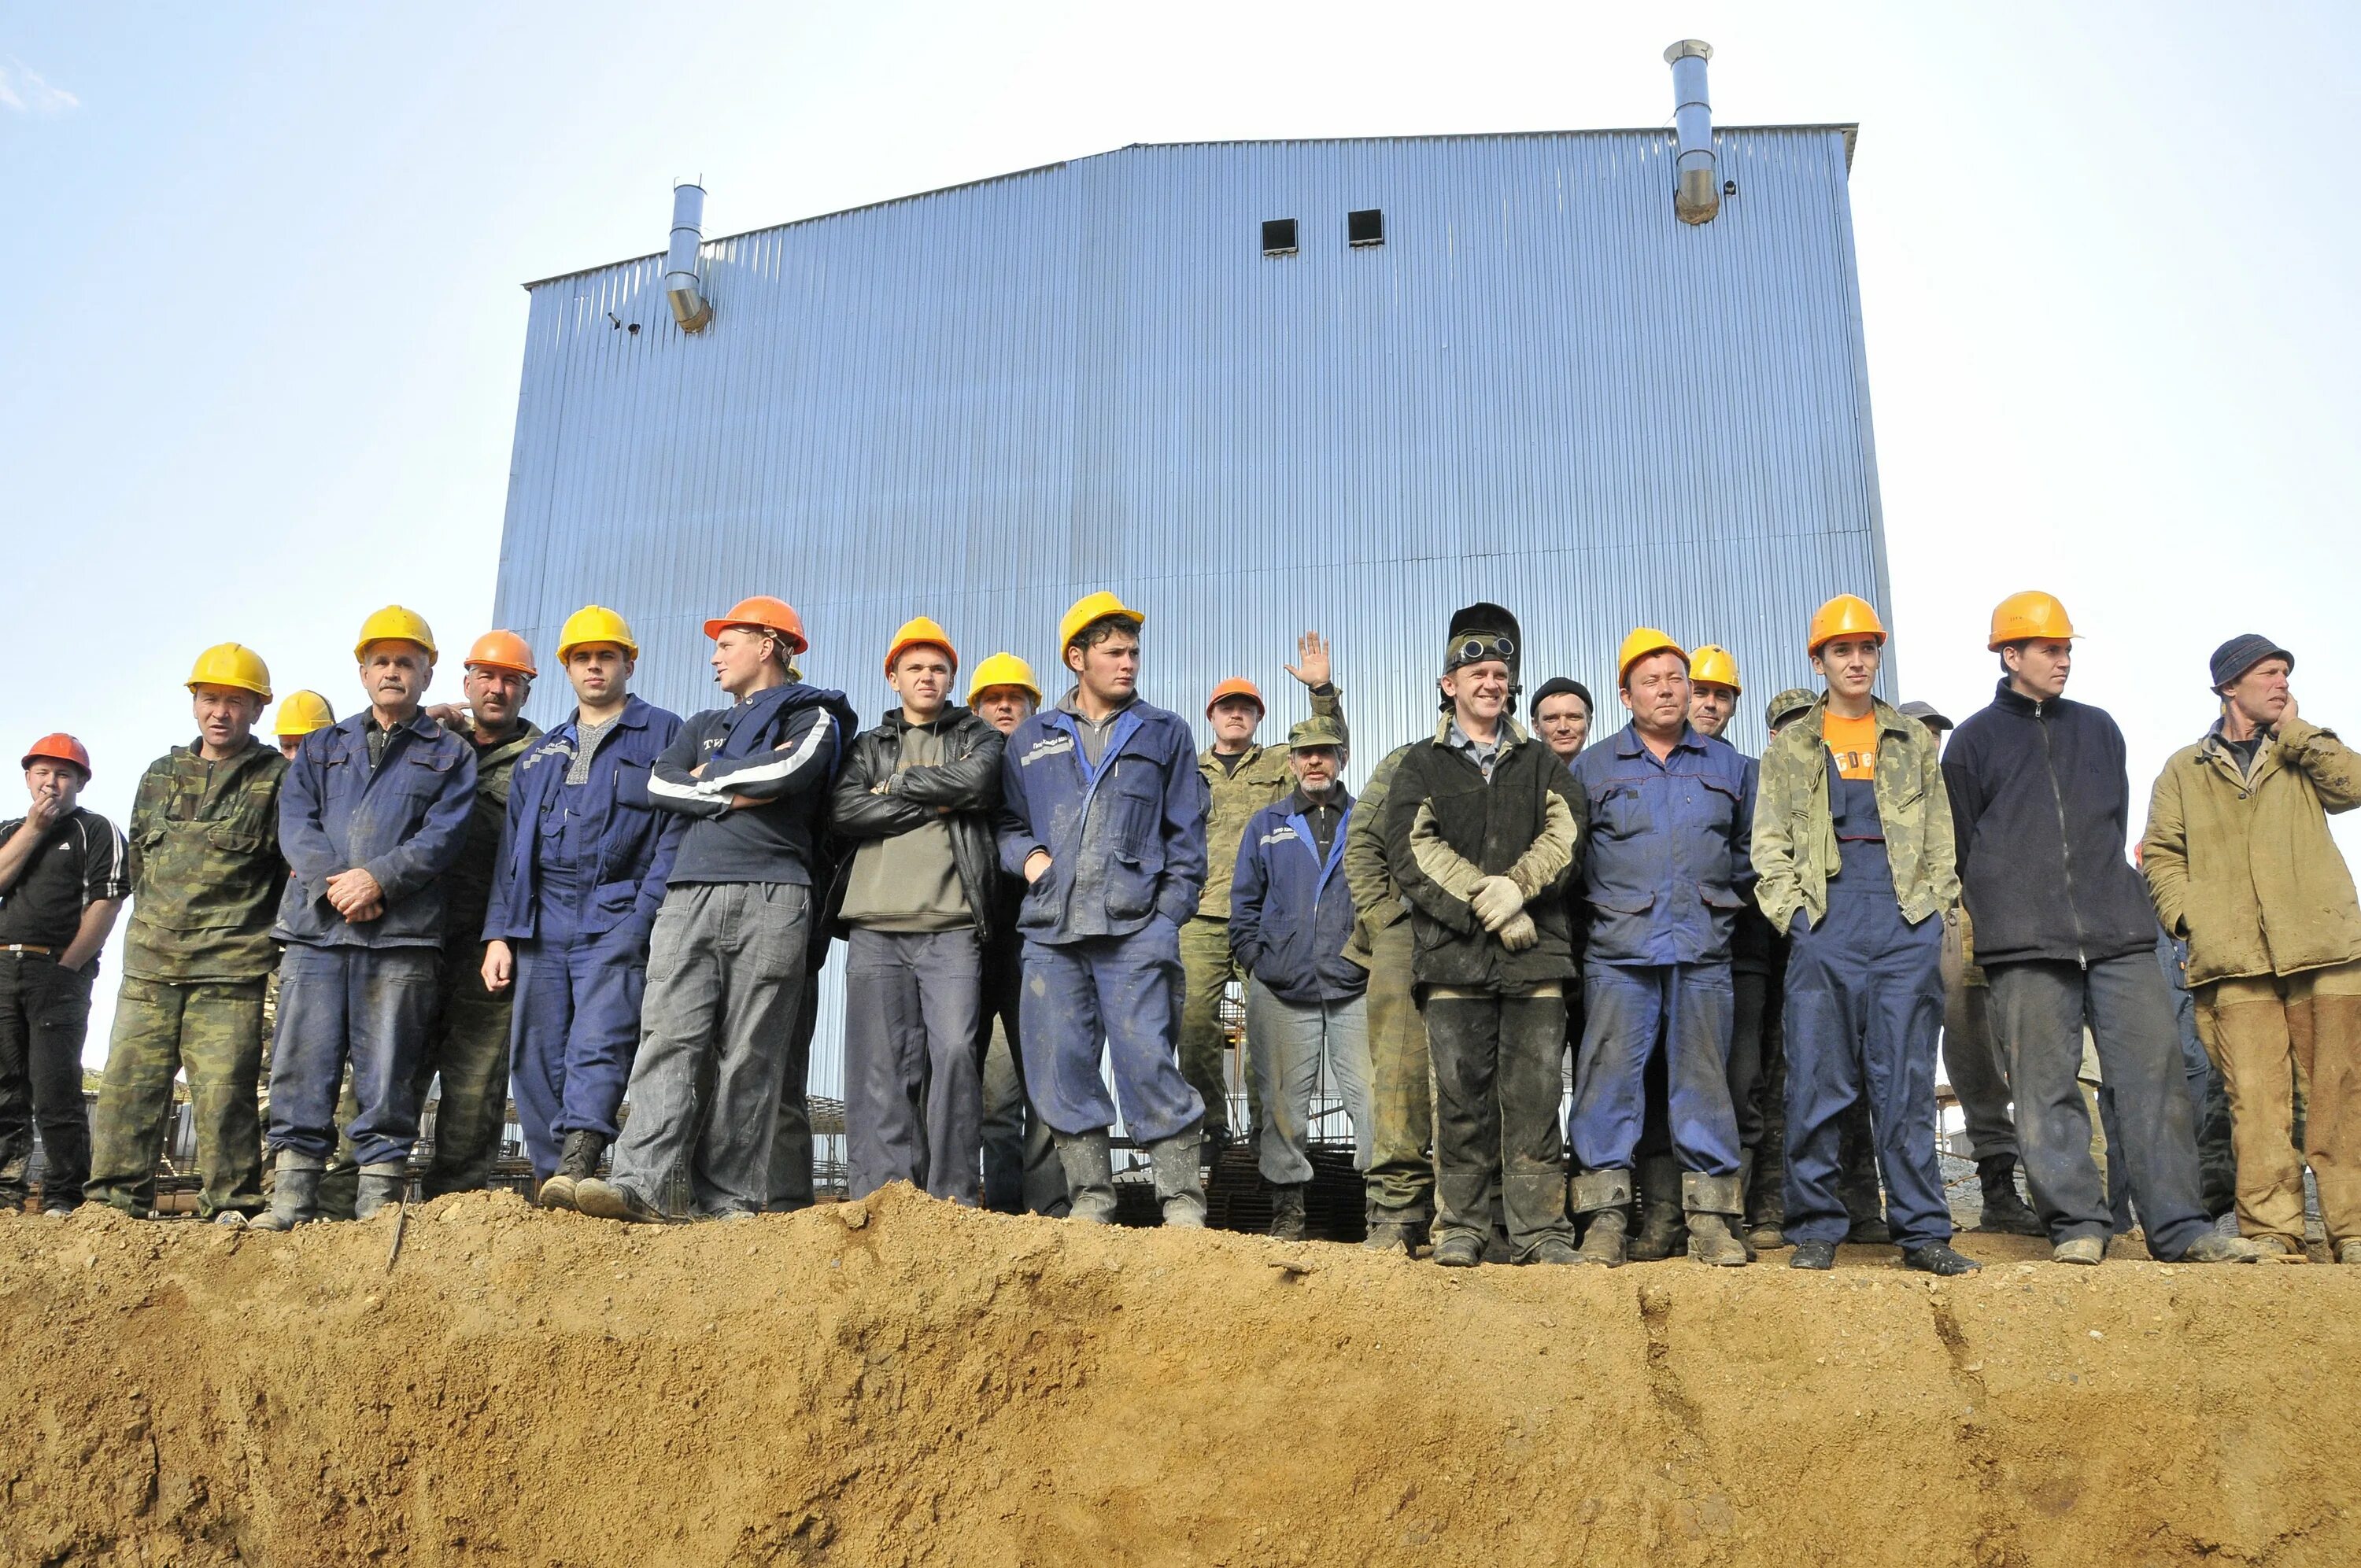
{"type": "Point", "coordinates": [1104, 814]}
{"type": "Point", "coordinates": [1400, 1176]}
{"type": "Point", "coordinates": [1561, 710]}
{"type": "Point", "coordinates": [63, 878]}
{"type": "Point", "coordinates": [914, 900]}
{"type": "Point", "coordinates": [298, 714]}
{"type": "Point", "coordinates": [1854, 850]}
{"type": "Point", "coordinates": [205, 880]}
{"type": "Point", "coordinates": [1021, 1174]}
{"type": "Point", "coordinates": [372, 816]}
{"type": "Point", "coordinates": [730, 947]}
{"type": "Point", "coordinates": [2240, 864]}
{"type": "Point", "coordinates": [1291, 918]}
{"type": "Point", "coordinates": [1241, 778]}
{"type": "Point", "coordinates": [1483, 824]}
{"type": "Point", "coordinates": [2040, 803]}
{"type": "Point", "coordinates": [585, 859]}
{"type": "Point", "coordinates": [1664, 876]}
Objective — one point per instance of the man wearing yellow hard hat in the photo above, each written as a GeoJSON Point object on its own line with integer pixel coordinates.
{"type": "Point", "coordinates": [300, 713]}
{"type": "Point", "coordinates": [197, 953]}
{"type": "Point", "coordinates": [372, 816]}
{"type": "Point", "coordinates": [1105, 820]}
{"type": "Point", "coordinates": [2041, 803]}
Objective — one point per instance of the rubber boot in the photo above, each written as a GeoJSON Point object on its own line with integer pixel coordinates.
{"type": "Point", "coordinates": [295, 1192]}
{"type": "Point", "coordinates": [1602, 1194]}
{"type": "Point", "coordinates": [1766, 1197]}
{"type": "Point", "coordinates": [1179, 1184]}
{"type": "Point", "coordinates": [1090, 1176]}
{"type": "Point", "coordinates": [2004, 1212]}
{"type": "Point", "coordinates": [1712, 1203]}
{"type": "Point", "coordinates": [1745, 1184]}
{"type": "Point", "coordinates": [1287, 1212]}
{"type": "Point", "coordinates": [1660, 1234]}
{"type": "Point", "coordinates": [381, 1184]}
{"type": "Point", "coordinates": [577, 1161]}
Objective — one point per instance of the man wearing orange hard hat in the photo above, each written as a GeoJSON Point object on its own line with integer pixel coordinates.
{"type": "Point", "coordinates": [730, 954]}
{"type": "Point", "coordinates": [63, 878]}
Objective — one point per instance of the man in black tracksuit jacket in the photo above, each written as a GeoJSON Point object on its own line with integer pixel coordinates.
{"type": "Point", "coordinates": [2063, 928]}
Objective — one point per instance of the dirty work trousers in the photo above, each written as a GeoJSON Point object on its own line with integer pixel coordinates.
{"type": "Point", "coordinates": [1021, 1173]}
{"type": "Point", "coordinates": [2267, 1035]}
{"type": "Point", "coordinates": [44, 1014]}
{"type": "Point", "coordinates": [1629, 1010]}
{"type": "Point", "coordinates": [1972, 1057]}
{"type": "Point", "coordinates": [725, 973]}
{"type": "Point", "coordinates": [913, 1096]}
{"type": "Point", "coordinates": [574, 1030]}
{"type": "Point", "coordinates": [369, 1008]}
{"type": "Point", "coordinates": [2039, 1010]}
{"type": "Point", "coordinates": [213, 1029]}
{"type": "Point", "coordinates": [1208, 967]}
{"type": "Point", "coordinates": [1122, 993]}
{"type": "Point", "coordinates": [790, 1180]}
{"type": "Point", "coordinates": [1401, 1096]}
{"type": "Point", "coordinates": [1288, 1041]}
{"type": "Point", "coordinates": [1498, 1070]}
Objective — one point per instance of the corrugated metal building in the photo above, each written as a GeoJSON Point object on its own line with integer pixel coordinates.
{"type": "Point", "coordinates": [1538, 386]}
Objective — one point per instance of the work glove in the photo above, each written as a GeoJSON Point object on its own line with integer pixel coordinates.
{"type": "Point", "coordinates": [1520, 933]}
{"type": "Point", "coordinates": [1496, 901]}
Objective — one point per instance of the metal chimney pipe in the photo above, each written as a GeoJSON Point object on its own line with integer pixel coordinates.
{"type": "Point", "coordinates": [1699, 196]}
{"type": "Point", "coordinates": [690, 308]}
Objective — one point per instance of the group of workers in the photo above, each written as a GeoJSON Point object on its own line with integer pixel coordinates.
{"type": "Point", "coordinates": [1750, 961]}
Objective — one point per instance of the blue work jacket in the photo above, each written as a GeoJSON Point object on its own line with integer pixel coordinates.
{"type": "Point", "coordinates": [626, 843]}
{"type": "Point", "coordinates": [1668, 866]}
{"type": "Point", "coordinates": [1126, 840]}
{"type": "Point", "coordinates": [404, 822]}
{"type": "Point", "coordinates": [1291, 911]}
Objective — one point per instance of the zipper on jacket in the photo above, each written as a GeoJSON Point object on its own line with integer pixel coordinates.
{"type": "Point", "coordinates": [2065, 851]}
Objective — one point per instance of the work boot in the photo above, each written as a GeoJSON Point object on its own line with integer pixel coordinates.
{"type": "Point", "coordinates": [1712, 1203]}
{"type": "Point", "coordinates": [612, 1200]}
{"type": "Point", "coordinates": [1745, 1184]}
{"type": "Point", "coordinates": [232, 1219]}
{"type": "Point", "coordinates": [577, 1161]}
{"type": "Point", "coordinates": [1179, 1185]}
{"type": "Point", "coordinates": [1820, 1256]}
{"type": "Point", "coordinates": [2004, 1212]}
{"type": "Point", "coordinates": [295, 1192]}
{"type": "Point", "coordinates": [1870, 1230]}
{"type": "Point", "coordinates": [1090, 1176]}
{"type": "Point", "coordinates": [1386, 1236]}
{"type": "Point", "coordinates": [1603, 1195]}
{"type": "Point", "coordinates": [1554, 1249]}
{"type": "Point", "coordinates": [382, 1183]}
{"type": "Point", "coordinates": [1938, 1258]}
{"type": "Point", "coordinates": [2211, 1248]}
{"type": "Point", "coordinates": [2348, 1250]}
{"type": "Point", "coordinates": [1459, 1250]}
{"type": "Point", "coordinates": [1660, 1234]}
{"type": "Point", "coordinates": [1287, 1212]}
{"type": "Point", "coordinates": [2086, 1251]}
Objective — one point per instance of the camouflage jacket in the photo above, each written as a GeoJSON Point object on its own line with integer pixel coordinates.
{"type": "Point", "coordinates": [467, 887]}
{"type": "Point", "coordinates": [205, 870]}
{"type": "Point", "coordinates": [1377, 898]}
{"type": "Point", "coordinates": [1262, 779]}
{"type": "Point", "coordinates": [1796, 837]}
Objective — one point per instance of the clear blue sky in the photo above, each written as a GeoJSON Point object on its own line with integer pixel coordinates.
{"type": "Point", "coordinates": [263, 328]}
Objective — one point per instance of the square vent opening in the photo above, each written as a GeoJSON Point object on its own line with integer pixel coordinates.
{"type": "Point", "coordinates": [1278, 236]}
{"type": "Point", "coordinates": [1364, 227]}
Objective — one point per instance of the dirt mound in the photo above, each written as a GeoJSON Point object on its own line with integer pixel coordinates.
{"type": "Point", "coordinates": [899, 1381]}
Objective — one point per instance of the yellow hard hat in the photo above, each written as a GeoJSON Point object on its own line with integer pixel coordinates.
{"type": "Point", "coordinates": [395, 624]}
{"type": "Point", "coordinates": [1847, 615]}
{"type": "Point", "coordinates": [302, 713]}
{"type": "Point", "coordinates": [2023, 617]}
{"type": "Point", "coordinates": [232, 664]}
{"type": "Point", "coordinates": [1090, 608]}
{"type": "Point", "coordinates": [1003, 670]}
{"type": "Point", "coordinates": [1714, 665]}
{"type": "Point", "coordinates": [595, 623]}
{"type": "Point", "coordinates": [1644, 640]}
{"type": "Point", "coordinates": [919, 631]}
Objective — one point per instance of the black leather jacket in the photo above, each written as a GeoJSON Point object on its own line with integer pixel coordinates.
{"type": "Point", "coordinates": [969, 784]}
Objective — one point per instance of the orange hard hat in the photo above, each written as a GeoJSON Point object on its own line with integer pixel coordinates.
{"type": "Point", "coordinates": [919, 631]}
{"type": "Point", "coordinates": [59, 748]}
{"type": "Point", "coordinates": [1847, 615]}
{"type": "Point", "coordinates": [1237, 685]}
{"type": "Point", "coordinates": [500, 651]}
{"type": "Point", "coordinates": [1641, 641]}
{"type": "Point", "coordinates": [769, 614]}
{"type": "Point", "coordinates": [2028, 615]}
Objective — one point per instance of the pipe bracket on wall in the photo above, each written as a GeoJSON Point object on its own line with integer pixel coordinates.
{"type": "Point", "coordinates": [1698, 198]}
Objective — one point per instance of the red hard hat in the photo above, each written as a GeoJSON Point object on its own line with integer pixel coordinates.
{"type": "Point", "coordinates": [59, 748]}
{"type": "Point", "coordinates": [769, 614]}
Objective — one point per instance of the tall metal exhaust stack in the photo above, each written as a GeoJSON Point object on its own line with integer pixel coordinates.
{"type": "Point", "coordinates": [1699, 196]}
{"type": "Point", "coordinates": [689, 307]}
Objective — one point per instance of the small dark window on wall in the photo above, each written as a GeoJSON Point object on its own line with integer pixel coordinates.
{"type": "Point", "coordinates": [1278, 236]}
{"type": "Point", "coordinates": [1365, 227]}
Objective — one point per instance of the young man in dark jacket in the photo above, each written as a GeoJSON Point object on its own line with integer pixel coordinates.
{"type": "Point", "coordinates": [1482, 827]}
{"type": "Point", "coordinates": [2040, 805]}
{"type": "Point", "coordinates": [1104, 814]}
{"type": "Point", "coordinates": [1291, 919]}
{"type": "Point", "coordinates": [727, 956]}
{"type": "Point", "coordinates": [913, 900]}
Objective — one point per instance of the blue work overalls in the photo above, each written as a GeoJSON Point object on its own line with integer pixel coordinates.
{"type": "Point", "coordinates": [1864, 1007]}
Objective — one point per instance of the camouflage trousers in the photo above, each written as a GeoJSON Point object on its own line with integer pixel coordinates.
{"type": "Point", "coordinates": [1401, 1109]}
{"type": "Point", "coordinates": [1207, 966]}
{"type": "Point", "coordinates": [212, 1030]}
